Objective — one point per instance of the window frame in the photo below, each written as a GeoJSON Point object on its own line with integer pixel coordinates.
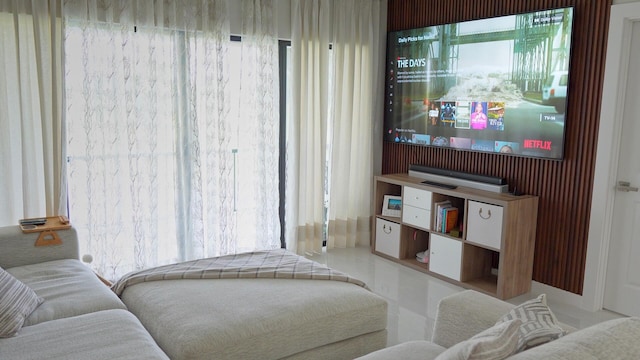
{"type": "Point", "coordinates": [283, 46]}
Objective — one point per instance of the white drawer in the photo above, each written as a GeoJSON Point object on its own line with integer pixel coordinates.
{"type": "Point", "coordinates": [416, 216]}
{"type": "Point", "coordinates": [417, 198]}
{"type": "Point", "coordinates": [388, 238]}
{"type": "Point", "coordinates": [484, 224]}
{"type": "Point", "coordinates": [445, 256]}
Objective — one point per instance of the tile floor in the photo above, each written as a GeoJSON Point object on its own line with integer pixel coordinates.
{"type": "Point", "coordinates": [413, 296]}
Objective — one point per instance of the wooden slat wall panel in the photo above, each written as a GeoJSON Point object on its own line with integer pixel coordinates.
{"type": "Point", "coordinates": [564, 187]}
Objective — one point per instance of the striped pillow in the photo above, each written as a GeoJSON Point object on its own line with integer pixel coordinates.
{"type": "Point", "coordinates": [539, 324]}
{"type": "Point", "coordinates": [17, 302]}
{"type": "Point", "coordinates": [495, 343]}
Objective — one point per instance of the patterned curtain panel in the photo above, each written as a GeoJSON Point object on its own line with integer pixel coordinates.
{"type": "Point", "coordinates": [259, 124]}
{"type": "Point", "coordinates": [156, 139]}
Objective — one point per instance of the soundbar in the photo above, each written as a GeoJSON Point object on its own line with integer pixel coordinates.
{"type": "Point", "coordinates": [475, 181]}
{"type": "Point", "coordinates": [459, 174]}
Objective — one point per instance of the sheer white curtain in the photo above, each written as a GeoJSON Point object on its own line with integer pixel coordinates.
{"type": "Point", "coordinates": [31, 136]}
{"type": "Point", "coordinates": [335, 99]}
{"type": "Point", "coordinates": [259, 125]}
{"type": "Point", "coordinates": [153, 137]}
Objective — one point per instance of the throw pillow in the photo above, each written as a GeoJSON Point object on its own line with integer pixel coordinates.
{"type": "Point", "coordinates": [539, 324]}
{"type": "Point", "coordinates": [17, 302]}
{"type": "Point", "coordinates": [495, 343]}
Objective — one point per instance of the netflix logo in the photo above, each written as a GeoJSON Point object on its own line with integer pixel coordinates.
{"type": "Point", "coordinates": [537, 144]}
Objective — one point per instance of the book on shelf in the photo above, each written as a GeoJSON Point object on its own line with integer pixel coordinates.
{"type": "Point", "coordinates": [450, 219]}
{"type": "Point", "coordinates": [445, 217]}
{"type": "Point", "coordinates": [438, 214]}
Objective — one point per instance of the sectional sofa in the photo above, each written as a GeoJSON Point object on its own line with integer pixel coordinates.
{"type": "Point", "coordinates": [465, 328]}
{"type": "Point", "coordinates": [77, 316]}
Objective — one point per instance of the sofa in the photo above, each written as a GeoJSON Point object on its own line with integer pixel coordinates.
{"type": "Point", "coordinates": [77, 316]}
{"type": "Point", "coordinates": [465, 328]}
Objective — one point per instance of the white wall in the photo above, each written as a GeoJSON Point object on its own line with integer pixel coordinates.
{"type": "Point", "coordinates": [599, 227]}
{"type": "Point", "coordinates": [605, 173]}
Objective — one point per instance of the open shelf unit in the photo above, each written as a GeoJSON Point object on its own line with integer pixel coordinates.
{"type": "Point", "coordinates": [490, 247]}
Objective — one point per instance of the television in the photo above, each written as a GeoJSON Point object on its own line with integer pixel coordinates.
{"type": "Point", "coordinates": [498, 85]}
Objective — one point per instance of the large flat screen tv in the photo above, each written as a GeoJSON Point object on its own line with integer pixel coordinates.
{"type": "Point", "coordinates": [496, 85]}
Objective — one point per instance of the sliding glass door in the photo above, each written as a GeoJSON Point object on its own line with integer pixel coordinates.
{"type": "Point", "coordinates": [173, 148]}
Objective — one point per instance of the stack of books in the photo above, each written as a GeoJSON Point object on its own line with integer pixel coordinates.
{"type": "Point", "coordinates": [446, 217]}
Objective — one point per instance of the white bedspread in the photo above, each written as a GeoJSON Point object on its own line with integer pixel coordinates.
{"type": "Point", "coordinates": [272, 264]}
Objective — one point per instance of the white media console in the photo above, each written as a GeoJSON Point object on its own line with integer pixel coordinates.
{"type": "Point", "coordinates": [490, 248]}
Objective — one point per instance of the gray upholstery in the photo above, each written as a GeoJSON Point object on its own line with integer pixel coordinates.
{"type": "Point", "coordinates": [17, 248]}
{"type": "Point", "coordinates": [461, 316]}
{"type": "Point", "coordinates": [255, 318]}
{"type": "Point", "coordinates": [68, 287]}
{"type": "Point", "coordinates": [614, 339]}
{"type": "Point", "coordinates": [81, 318]}
{"type": "Point", "coordinates": [345, 349]}
{"type": "Point", "coordinates": [72, 322]}
{"type": "Point", "coordinates": [111, 334]}
{"type": "Point", "coordinates": [410, 350]}
{"type": "Point", "coordinates": [464, 314]}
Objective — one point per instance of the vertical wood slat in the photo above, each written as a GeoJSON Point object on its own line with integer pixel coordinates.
{"type": "Point", "coordinates": [564, 187]}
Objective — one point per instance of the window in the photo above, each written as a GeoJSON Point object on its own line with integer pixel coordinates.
{"type": "Point", "coordinates": [165, 164]}
{"type": "Point", "coordinates": [286, 111]}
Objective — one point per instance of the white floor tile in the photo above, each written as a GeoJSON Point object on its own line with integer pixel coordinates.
{"type": "Point", "coordinates": [413, 296]}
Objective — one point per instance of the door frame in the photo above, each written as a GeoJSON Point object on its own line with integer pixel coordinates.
{"type": "Point", "coordinates": [609, 140]}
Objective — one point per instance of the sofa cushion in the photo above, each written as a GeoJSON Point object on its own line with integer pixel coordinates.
{"type": "Point", "coordinates": [17, 301]}
{"type": "Point", "coordinates": [464, 314]}
{"type": "Point", "coordinates": [539, 324]}
{"type": "Point", "coordinates": [110, 334]}
{"type": "Point", "coordinates": [495, 343]}
{"type": "Point", "coordinates": [612, 339]}
{"type": "Point", "coordinates": [68, 287]}
{"type": "Point", "coordinates": [410, 350]}
{"type": "Point", "coordinates": [277, 317]}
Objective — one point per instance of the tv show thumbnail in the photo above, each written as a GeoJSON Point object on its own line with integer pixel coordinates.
{"type": "Point", "coordinates": [507, 147]}
{"type": "Point", "coordinates": [460, 143]}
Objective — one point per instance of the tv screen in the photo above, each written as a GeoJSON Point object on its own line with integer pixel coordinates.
{"type": "Point", "coordinates": [495, 85]}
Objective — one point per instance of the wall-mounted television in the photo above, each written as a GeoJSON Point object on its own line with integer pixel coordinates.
{"type": "Point", "coordinates": [497, 85]}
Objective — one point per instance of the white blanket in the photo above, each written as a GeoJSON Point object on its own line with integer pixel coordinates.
{"type": "Point", "coordinates": [272, 264]}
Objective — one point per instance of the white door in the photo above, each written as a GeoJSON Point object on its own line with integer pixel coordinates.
{"type": "Point", "coordinates": [622, 286]}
